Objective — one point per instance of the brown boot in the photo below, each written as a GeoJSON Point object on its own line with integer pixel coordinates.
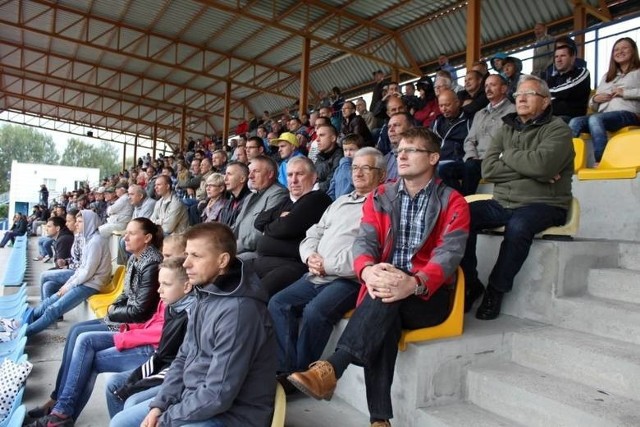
{"type": "Point", "coordinates": [319, 381]}
{"type": "Point", "coordinates": [381, 424]}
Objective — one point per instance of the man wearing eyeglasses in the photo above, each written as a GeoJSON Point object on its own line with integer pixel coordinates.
{"type": "Point", "coordinates": [411, 239]}
{"type": "Point", "coordinates": [530, 161]}
{"type": "Point", "coordinates": [316, 301]}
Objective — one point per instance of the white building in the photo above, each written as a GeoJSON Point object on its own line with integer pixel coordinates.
{"type": "Point", "coordinates": [26, 178]}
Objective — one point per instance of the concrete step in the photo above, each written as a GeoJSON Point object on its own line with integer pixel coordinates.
{"type": "Point", "coordinates": [608, 365]}
{"type": "Point", "coordinates": [629, 256]}
{"type": "Point", "coordinates": [460, 414]}
{"type": "Point", "coordinates": [615, 283]}
{"type": "Point", "coordinates": [534, 398]}
{"type": "Point", "coordinates": [604, 317]}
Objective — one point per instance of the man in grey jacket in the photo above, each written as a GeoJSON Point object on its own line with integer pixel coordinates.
{"type": "Point", "coordinates": [530, 161]}
{"type": "Point", "coordinates": [267, 193]}
{"type": "Point", "coordinates": [169, 212]}
{"type": "Point", "coordinates": [223, 373]}
{"type": "Point", "coordinates": [485, 125]}
{"type": "Point", "coordinates": [89, 278]}
{"type": "Point", "coordinates": [119, 213]}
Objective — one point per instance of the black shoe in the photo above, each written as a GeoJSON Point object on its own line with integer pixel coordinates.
{"type": "Point", "coordinates": [490, 307]}
{"type": "Point", "coordinates": [289, 388]}
{"type": "Point", "coordinates": [471, 294]}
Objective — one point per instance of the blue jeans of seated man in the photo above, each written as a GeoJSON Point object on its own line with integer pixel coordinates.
{"type": "Point", "coordinates": [599, 123]}
{"type": "Point", "coordinates": [521, 225]}
{"type": "Point", "coordinates": [115, 404]}
{"type": "Point", "coordinates": [9, 235]}
{"type": "Point", "coordinates": [53, 307]}
{"type": "Point", "coordinates": [52, 280]}
{"type": "Point", "coordinates": [320, 307]}
{"type": "Point", "coordinates": [132, 417]}
{"type": "Point", "coordinates": [45, 246]}
{"type": "Point", "coordinates": [371, 338]}
{"type": "Point", "coordinates": [462, 176]}
{"type": "Point", "coordinates": [94, 353]}
{"type": "Point", "coordinates": [96, 325]}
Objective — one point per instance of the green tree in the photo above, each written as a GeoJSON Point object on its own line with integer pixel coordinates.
{"type": "Point", "coordinates": [81, 154]}
{"type": "Point", "coordinates": [24, 144]}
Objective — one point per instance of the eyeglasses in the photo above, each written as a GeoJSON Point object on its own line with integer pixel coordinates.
{"type": "Point", "coordinates": [528, 93]}
{"type": "Point", "coordinates": [413, 150]}
{"type": "Point", "coordinates": [363, 169]}
{"type": "Point", "coordinates": [214, 185]}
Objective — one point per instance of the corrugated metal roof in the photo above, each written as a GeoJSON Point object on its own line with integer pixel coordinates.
{"type": "Point", "coordinates": [170, 54]}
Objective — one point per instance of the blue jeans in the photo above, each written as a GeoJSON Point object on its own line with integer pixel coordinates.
{"type": "Point", "coordinates": [320, 307]}
{"type": "Point", "coordinates": [52, 280]}
{"type": "Point", "coordinates": [94, 353]}
{"type": "Point", "coordinates": [521, 225]}
{"type": "Point", "coordinates": [53, 307]}
{"type": "Point", "coordinates": [599, 123]}
{"type": "Point", "coordinates": [133, 416]}
{"type": "Point", "coordinates": [115, 404]}
{"type": "Point", "coordinates": [96, 325]}
{"type": "Point", "coordinates": [9, 235]}
{"type": "Point", "coordinates": [45, 246]}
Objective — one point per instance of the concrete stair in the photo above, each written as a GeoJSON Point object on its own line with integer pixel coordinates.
{"type": "Point", "coordinates": [619, 284]}
{"type": "Point", "coordinates": [461, 414]}
{"type": "Point", "coordinates": [565, 351]}
{"type": "Point", "coordinates": [535, 398]}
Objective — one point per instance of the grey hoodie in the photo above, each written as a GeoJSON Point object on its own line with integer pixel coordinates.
{"type": "Point", "coordinates": [94, 270]}
{"type": "Point", "coordinates": [226, 365]}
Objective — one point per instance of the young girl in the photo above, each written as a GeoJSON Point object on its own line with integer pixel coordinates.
{"type": "Point", "coordinates": [126, 391]}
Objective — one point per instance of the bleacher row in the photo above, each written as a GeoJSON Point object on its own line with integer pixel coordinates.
{"type": "Point", "coordinates": [15, 306]}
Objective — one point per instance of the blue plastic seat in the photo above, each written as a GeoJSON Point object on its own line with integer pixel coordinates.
{"type": "Point", "coordinates": [16, 418]}
{"type": "Point", "coordinates": [9, 348]}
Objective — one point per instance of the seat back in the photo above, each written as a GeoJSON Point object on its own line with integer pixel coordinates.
{"type": "Point", "coordinates": [622, 151]}
{"type": "Point", "coordinates": [580, 148]}
{"type": "Point", "coordinates": [451, 327]}
{"type": "Point", "coordinates": [279, 407]}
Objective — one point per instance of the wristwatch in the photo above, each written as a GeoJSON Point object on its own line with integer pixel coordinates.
{"type": "Point", "coordinates": [421, 289]}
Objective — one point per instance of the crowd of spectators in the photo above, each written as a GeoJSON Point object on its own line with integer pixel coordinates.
{"type": "Point", "coordinates": [316, 214]}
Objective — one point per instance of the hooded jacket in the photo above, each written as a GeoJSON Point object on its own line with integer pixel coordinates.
{"type": "Point", "coordinates": [225, 367]}
{"type": "Point", "coordinates": [452, 133]}
{"type": "Point", "coordinates": [524, 158]}
{"type": "Point", "coordinates": [94, 270]}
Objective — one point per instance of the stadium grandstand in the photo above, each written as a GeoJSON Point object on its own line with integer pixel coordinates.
{"type": "Point", "coordinates": [268, 120]}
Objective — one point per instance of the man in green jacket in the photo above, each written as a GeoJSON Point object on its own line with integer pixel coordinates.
{"type": "Point", "coordinates": [530, 161]}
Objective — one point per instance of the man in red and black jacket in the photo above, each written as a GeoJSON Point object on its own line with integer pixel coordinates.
{"type": "Point", "coordinates": [412, 237]}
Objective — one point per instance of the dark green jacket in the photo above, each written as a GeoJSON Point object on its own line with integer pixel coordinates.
{"type": "Point", "coordinates": [523, 160]}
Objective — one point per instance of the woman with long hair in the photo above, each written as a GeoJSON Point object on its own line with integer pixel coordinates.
{"type": "Point", "coordinates": [123, 339]}
{"type": "Point", "coordinates": [617, 99]}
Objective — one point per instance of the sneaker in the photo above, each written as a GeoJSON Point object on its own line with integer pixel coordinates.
{"type": "Point", "coordinates": [41, 411]}
{"type": "Point", "coordinates": [38, 258]}
{"type": "Point", "coordinates": [52, 420]}
{"type": "Point", "coordinates": [46, 258]}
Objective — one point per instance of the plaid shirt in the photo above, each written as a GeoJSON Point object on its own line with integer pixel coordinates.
{"type": "Point", "coordinates": [412, 225]}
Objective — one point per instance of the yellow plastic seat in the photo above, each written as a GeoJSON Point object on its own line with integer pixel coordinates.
{"type": "Point", "coordinates": [280, 407]}
{"type": "Point", "coordinates": [452, 327]}
{"type": "Point", "coordinates": [580, 148]}
{"type": "Point", "coordinates": [620, 160]}
{"type": "Point", "coordinates": [99, 303]}
{"type": "Point", "coordinates": [562, 232]}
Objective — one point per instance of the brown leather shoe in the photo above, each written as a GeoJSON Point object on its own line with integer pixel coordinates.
{"type": "Point", "coordinates": [319, 381]}
{"type": "Point", "coordinates": [381, 424]}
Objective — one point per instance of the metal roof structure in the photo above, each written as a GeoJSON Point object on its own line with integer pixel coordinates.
{"type": "Point", "coordinates": [161, 68]}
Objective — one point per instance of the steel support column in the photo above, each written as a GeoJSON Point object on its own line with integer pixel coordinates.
{"type": "Point", "coordinates": [135, 150]}
{"type": "Point", "coordinates": [304, 77]}
{"type": "Point", "coordinates": [579, 24]}
{"type": "Point", "coordinates": [473, 32]}
{"type": "Point", "coordinates": [227, 113]}
{"type": "Point", "coordinates": [183, 127]}
{"type": "Point", "coordinates": [155, 141]}
{"type": "Point", "coordinates": [124, 156]}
